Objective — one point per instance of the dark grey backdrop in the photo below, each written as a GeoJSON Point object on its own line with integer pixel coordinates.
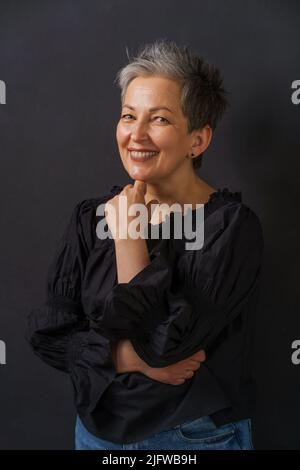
{"type": "Point", "coordinates": [57, 137]}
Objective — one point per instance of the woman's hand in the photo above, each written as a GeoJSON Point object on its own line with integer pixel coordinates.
{"type": "Point", "coordinates": [179, 372]}
{"type": "Point", "coordinates": [116, 213]}
{"type": "Point", "coordinates": [127, 360]}
{"type": "Point", "coordinates": [131, 253]}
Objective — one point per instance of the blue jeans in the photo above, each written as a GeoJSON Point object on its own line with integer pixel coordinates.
{"type": "Point", "coordinates": [198, 434]}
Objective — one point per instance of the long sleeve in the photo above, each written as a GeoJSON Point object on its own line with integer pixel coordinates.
{"type": "Point", "coordinates": [58, 330]}
{"type": "Point", "coordinates": [169, 318]}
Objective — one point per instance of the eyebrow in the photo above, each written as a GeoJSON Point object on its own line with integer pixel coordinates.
{"type": "Point", "coordinates": [156, 108]}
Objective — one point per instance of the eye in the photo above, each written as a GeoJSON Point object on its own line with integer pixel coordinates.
{"type": "Point", "coordinates": [164, 119]}
{"type": "Point", "coordinates": [124, 115]}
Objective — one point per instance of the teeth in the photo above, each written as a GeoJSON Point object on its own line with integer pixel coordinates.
{"type": "Point", "coordinates": [138, 154]}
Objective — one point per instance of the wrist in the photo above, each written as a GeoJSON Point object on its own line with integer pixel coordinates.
{"type": "Point", "coordinates": [129, 241]}
{"type": "Point", "coordinates": [127, 360]}
{"type": "Point", "coordinates": [138, 363]}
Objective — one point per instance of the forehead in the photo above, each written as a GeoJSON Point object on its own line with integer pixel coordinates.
{"type": "Point", "coordinates": [153, 91]}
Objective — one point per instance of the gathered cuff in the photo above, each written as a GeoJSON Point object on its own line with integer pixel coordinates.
{"type": "Point", "coordinates": [50, 331]}
{"type": "Point", "coordinates": [90, 363]}
{"type": "Point", "coordinates": [65, 341]}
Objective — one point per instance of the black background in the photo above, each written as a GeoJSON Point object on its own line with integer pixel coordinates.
{"type": "Point", "coordinates": [57, 145]}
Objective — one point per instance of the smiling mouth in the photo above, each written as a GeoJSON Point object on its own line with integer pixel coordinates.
{"type": "Point", "coordinates": [137, 156]}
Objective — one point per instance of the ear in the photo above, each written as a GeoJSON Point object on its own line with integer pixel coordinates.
{"type": "Point", "coordinates": [201, 139]}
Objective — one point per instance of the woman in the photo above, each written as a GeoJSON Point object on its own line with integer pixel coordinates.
{"type": "Point", "coordinates": [157, 338]}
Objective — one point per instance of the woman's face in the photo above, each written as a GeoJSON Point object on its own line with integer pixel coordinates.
{"type": "Point", "coordinates": [162, 130]}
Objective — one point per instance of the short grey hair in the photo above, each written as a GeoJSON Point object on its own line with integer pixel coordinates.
{"type": "Point", "coordinates": [203, 99]}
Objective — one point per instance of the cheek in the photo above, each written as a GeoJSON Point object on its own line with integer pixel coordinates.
{"type": "Point", "coordinates": [165, 139]}
{"type": "Point", "coordinates": [122, 134]}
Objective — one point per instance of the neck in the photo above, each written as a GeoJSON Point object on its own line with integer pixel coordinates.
{"type": "Point", "coordinates": [190, 190]}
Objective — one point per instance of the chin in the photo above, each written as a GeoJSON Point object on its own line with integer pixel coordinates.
{"type": "Point", "coordinates": [139, 174]}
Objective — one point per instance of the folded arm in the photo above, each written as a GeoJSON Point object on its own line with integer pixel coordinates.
{"type": "Point", "coordinates": [127, 360]}
{"type": "Point", "coordinates": [168, 320]}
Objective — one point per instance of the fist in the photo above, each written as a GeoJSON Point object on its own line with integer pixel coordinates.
{"type": "Point", "coordinates": [121, 215]}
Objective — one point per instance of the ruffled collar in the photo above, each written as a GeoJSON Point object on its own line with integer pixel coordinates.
{"type": "Point", "coordinates": [223, 193]}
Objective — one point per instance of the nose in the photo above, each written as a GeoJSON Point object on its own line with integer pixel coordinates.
{"type": "Point", "coordinates": [139, 131]}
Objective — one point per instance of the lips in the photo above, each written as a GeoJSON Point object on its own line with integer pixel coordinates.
{"type": "Point", "coordinates": [142, 156]}
{"type": "Point", "coordinates": [133, 149]}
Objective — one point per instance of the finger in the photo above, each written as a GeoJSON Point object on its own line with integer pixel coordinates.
{"type": "Point", "coordinates": [199, 355]}
{"type": "Point", "coordinates": [151, 206]}
{"type": "Point", "coordinates": [179, 381]}
{"type": "Point", "coordinates": [153, 201]}
{"type": "Point", "coordinates": [140, 185]}
{"type": "Point", "coordinates": [203, 354]}
{"type": "Point", "coordinates": [195, 365]}
{"type": "Point", "coordinates": [193, 361]}
{"type": "Point", "coordinates": [189, 374]}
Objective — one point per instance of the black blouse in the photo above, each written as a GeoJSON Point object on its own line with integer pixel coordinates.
{"type": "Point", "coordinates": [183, 301]}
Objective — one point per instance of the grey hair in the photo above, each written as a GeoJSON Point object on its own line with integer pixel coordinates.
{"type": "Point", "coordinates": [203, 98]}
